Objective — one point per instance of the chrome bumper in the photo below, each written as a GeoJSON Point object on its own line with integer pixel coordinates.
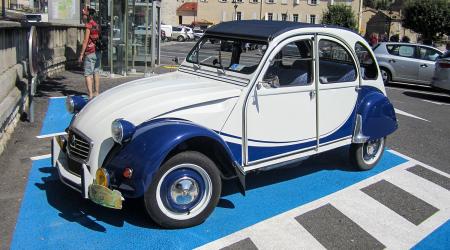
{"type": "Point", "coordinates": [60, 161]}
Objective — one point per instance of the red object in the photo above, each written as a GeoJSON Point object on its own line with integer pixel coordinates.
{"type": "Point", "coordinates": [444, 65]}
{"type": "Point", "coordinates": [127, 173]}
{"type": "Point", "coordinates": [188, 7]}
{"type": "Point", "coordinates": [93, 36]}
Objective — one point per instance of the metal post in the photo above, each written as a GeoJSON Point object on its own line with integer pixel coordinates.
{"type": "Point", "coordinates": [260, 10]}
{"type": "Point", "coordinates": [159, 32]}
{"type": "Point", "coordinates": [111, 36]}
{"type": "Point", "coordinates": [146, 36]}
{"type": "Point", "coordinates": [153, 41]}
{"type": "Point", "coordinates": [3, 9]}
{"type": "Point", "coordinates": [126, 36]}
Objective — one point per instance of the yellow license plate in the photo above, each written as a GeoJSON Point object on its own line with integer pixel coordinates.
{"type": "Point", "coordinates": [105, 196]}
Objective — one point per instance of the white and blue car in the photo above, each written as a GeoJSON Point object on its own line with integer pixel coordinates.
{"type": "Point", "coordinates": [264, 94]}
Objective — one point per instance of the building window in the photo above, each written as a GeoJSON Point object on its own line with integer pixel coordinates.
{"type": "Point", "coordinates": [295, 17]}
{"type": "Point", "coordinates": [270, 1]}
{"type": "Point", "coordinates": [254, 1]}
{"type": "Point", "coordinates": [223, 1]}
{"type": "Point", "coordinates": [312, 19]}
{"type": "Point", "coordinates": [312, 2]}
{"type": "Point", "coordinates": [284, 17]}
{"type": "Point", "coordinates": [270, 16]}
{"type": "Point", "coordinates": [239, 16]}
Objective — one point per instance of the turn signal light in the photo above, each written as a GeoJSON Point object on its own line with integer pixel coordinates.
{"type": "Point", "coordinates": [127, 173]}
{"type": "Point", "coordinates": [102, 177]}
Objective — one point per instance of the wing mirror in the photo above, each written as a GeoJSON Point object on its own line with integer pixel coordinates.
{"type": "Point", "coordinates": [271, 81]}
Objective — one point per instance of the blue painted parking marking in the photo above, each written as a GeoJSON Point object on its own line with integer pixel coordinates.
{"type": "Point", "coordinates": [57, 118]}
{"type": "Point", "coordinates": [439, 239]}
{"type": "Point", "coordinates": [53, 216]}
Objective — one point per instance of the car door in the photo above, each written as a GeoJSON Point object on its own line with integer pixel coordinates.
{"type": "Point", "coordinates": [404, 62]}
{"type": "Point", "coordinates": [281, 109]}
{"type": "Point", "coordinates": [427, 60]}
{"type": "Point", "coordinates": [337, 93]}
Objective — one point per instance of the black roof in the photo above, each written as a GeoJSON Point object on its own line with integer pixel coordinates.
{"type": "Point", "coordinates": [256, 29]}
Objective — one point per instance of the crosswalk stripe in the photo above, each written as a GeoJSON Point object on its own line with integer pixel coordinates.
{"type": "Point", "coordinates": [382, 223]}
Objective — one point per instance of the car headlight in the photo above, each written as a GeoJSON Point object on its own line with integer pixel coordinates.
{"type": "Point", "coordinates": [75, 103]}
{"type": "Point", "coordinates": [122, 130]}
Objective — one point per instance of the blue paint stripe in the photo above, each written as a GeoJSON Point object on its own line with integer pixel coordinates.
{"type": "Point", "coordinates": [439, 239]}
{"type": "Point", "coordinates": [54, 216]}
{"type": "Point", "coordinates": [57, 118]}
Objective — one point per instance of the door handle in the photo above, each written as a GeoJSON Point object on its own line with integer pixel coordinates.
{"type": "Point", "coordinates": [391, 61]}
{"type": "Point", "coordinates": [312, 94]}
{"type": "Point", "coordinates": [424, 66]}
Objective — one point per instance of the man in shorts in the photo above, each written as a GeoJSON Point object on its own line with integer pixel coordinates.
{"type": "Point", "coordinates": [90, 55]}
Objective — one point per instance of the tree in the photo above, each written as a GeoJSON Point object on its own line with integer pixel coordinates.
{"type": "Point", "coordinates": [369, 3]}
{"type": "Point", "coordinates": [431, 19]}
{"type": "Point", "coordinates": [340, 15]}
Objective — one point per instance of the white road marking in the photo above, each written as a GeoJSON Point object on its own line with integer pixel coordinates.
{"type": "Point", "coordinates": [437, 103]}
{"type": "Point", "coordinates": [418, 91]}
{"type": "Point", "coordinates": [400, 112]}
{"type": "Point", "coordinates": [388, 227]}
{"type": "Point", "coordinates": [40, 157]}
{"type": "Point", "coordinates": [205, 59]}
{"type": "Point", "coordinates": [50, 135]}
{"type": "Point", "coordinates": [57, 97]}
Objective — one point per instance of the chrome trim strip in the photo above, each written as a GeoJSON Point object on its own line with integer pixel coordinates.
{"type": "Point", "coordinates": [316, 82]}
{"type": "Point", "coordinates": [358, 136]}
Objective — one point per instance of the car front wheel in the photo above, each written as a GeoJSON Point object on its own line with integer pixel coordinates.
{"type": "Point", "coordinates": [184, 192]}
{"type": "Point", "coordinates": [366, 155]}
{"type": "Point", "coordinates": [180, 39]}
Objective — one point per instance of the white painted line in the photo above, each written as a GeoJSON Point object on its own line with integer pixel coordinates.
{"type": "Point", "coordinates": [205, 59]}
{"type": "Point", "coordinates": [416, 162]}
{"type": "Point", "coordinates": [400, 112]}
{"type": "Point", "coordinates": [57, 97]}
{"type": "Point", "coordinates": [50, 135]}
{"type": "Point", "coordinates": [40, 157]}
{"type": "Point", "coordinates": [437, 103]}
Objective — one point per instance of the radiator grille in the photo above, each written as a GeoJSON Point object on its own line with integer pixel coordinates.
{"type": "Point", "coordinates": [79, 147]}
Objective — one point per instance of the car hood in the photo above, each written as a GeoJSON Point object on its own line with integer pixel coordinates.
{"type": "Point", "coordinates": [147, 98]}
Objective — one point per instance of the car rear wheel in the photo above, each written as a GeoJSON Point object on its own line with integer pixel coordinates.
{"type": "Point", "coordinates": [184, 192]}
{"type": "Point", "coordinates": [180, 39]}
{"type": "Point", "coordinates": [386, 75]}
{"type": "Point", "coordinates": [366, 155]}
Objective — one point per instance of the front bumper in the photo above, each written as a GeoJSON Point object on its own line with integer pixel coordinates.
{"type": "Point", "coordinates": [83, 183]}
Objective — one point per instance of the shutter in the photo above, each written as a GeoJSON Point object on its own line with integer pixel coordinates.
{"type": "Point", "coordinates": [254, 15]}
{"type": "Point", "coordinates": [266, 16]}
{"type": "Point", "coordinates": [224, 16]}
{"type": "Point", "coordinates": [242, 15]}
{"type": "Point", "coordinates": [308, 20]}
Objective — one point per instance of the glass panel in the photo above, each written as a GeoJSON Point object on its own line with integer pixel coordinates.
{"type": "Point", "coordinates": [335, 63]}
{"type": "Point", "coordinates": [366, 61]}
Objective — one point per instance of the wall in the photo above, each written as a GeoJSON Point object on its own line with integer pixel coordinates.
{"type": "Point", "coordinates": [58, 45]}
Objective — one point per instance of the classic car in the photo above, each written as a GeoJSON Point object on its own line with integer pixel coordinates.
{"type": "Point", "coordinates": [171, 139]}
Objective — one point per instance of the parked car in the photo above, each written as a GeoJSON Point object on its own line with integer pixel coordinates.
{"type": "Point", "coordinates": [173, 138]}
{"type": "Point", "coordinates": [179, 34]}
{"type": "Point", "coordinates": [406, 62]}
{"type": "Point", "coordinates": [441, 78]}
{"type": "Point", "coordinates": [167, 29]}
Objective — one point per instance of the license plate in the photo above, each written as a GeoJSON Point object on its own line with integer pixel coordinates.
{"type": "Point", "coordinates": [105, 196]}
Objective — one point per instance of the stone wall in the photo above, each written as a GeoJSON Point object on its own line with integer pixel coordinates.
{"type": "Point", "coordinates": [58, 45]}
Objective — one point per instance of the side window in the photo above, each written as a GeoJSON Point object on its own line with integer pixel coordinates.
{"type": "Point", "coordinates": [292, 66]}
{"type": "Point", "coordinates": [428, 54]}
{"type": "Point", "coordinates": [335, 63]}
{"type": "Point", "coordinates": [401, 50]}
{"type": "Point", "coordinates": [366, 62]}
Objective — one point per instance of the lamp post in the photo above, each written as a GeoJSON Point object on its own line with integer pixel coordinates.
{"type": "Point", "coordinates": [3, 9]}
{"type": "Point", "coordinates": [235, 9]}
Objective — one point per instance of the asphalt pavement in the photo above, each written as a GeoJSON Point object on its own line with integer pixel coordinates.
{"type": "Point", "coordinates": [405, 198]}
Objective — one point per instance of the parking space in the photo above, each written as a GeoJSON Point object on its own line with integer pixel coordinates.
{"type": "Point", "coordinates": [321, 203]}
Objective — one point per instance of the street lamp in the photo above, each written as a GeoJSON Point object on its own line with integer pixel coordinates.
{"type": "Point", "coordinates": [235, 9]}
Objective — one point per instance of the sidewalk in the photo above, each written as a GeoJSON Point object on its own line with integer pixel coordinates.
{"type": "Point", "coordinates": [15, 161]}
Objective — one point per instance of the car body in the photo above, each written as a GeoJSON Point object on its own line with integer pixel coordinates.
{"type": "Point", "coordinates": [441, 78]}
{"type": "Point", "coordinates": [167, 29]}
{"type": "Point", "coordinates": [190, 32]}
{"type": "Point", "coordinates": [198, 33]}
{"type": "Point", "coordinates": [175, 136]}
{"type": "Point", "coordinates": [406, 62]}
{"type": "Point", "coordinates": [180, 34]}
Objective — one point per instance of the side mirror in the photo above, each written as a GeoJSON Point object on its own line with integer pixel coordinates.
{"type": "Point", "coordinates": [271, 81]}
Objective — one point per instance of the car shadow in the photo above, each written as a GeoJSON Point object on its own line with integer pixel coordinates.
{"type": "Point", "coordinates": [75, 209]}
{"type": "Point", "coordinates": [428, 96]}
{"type": "Point", "coordinates": [408, 86]}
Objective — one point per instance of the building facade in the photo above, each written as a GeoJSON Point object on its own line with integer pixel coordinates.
{"type": "Point", "coordinates": [309, 11]}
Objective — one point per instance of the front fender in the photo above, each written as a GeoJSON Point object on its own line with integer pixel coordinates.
{"type": "Point", "coordinates": [148, 148]}
{"type": "Point", "coordinates": [377, 113]}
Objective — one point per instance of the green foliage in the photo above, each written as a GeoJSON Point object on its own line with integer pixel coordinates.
{"type": "Point", "coordinates": [378, 4]}
{"type": "Point", "coordinates": [340, 15]}
{"type": "Point", "coordinates": [431, 19]}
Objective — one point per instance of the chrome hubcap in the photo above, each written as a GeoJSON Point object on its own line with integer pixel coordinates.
{"type": "Point", "coordinates": [184, 191]}
{"type": "Point", "coordinates": [372, 150]}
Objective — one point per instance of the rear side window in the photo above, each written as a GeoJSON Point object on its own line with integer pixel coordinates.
{"type": "Point", "coordinates": [401, 50]}
{"type": "Point", "coordinates": [176, 29]}
{"type": "Point", "coordinates": [428, 54]}
{"type": "Point", "coordinates": [335, 63]}
{"type": "Point", "coordinates": [367, 62]}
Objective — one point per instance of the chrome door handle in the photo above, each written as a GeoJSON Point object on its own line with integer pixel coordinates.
{"type": "Point", "coordinates": [312, 94]}
{"type": "Point", "coordinates": [391, 61]}
{"type": "Point", "coordinates": [424, 66]}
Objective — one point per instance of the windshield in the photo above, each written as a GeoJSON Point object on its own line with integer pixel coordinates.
{"type": "Point", "coordinates": [242, 56]}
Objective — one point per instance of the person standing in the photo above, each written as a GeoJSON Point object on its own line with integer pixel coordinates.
{"type": "Point", "coordinates": [89, 55]}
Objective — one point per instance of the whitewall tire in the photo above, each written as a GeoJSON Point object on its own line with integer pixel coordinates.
{"type": "Point", "coordinates": [366, 155]}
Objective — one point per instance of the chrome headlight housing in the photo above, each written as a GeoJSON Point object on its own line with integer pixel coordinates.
{"type": "Point", "coordinates": [75, 103]}
{"type": "Point", "coordinates": [122, 130]}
